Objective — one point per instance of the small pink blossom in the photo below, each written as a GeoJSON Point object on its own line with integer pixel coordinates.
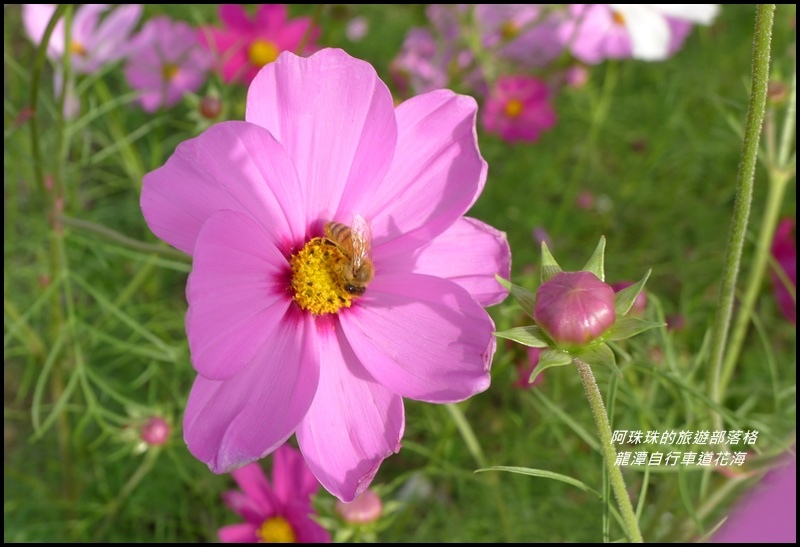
{"type": "Point", "coordinates": [574, 308]}
{"type": "Point", "coordinates": [366, 508]}
{"type": "Point", "coordinates": [155, 431]}
{"type": "Point", "coordinates": [276, 512]}
{"type": "Point", "coordinates": [245, 44]}
{"type": "Point", "coordinates": [280, 347]}
{"type": "Point", "coordinates": [167, 63]}
{"type": "Point", "coordinates": [518, 109]}
{"type": "Point", "coordinates": [357, 28]}
{"type": "Point", "coordinates": [784, 251]}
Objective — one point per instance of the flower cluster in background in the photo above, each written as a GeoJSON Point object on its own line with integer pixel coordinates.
{"type": "Point", "coordinates": [516, 57]}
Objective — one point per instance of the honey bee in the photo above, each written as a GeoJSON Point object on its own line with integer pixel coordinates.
{"type": "Point", "coordinates": [355, 242]}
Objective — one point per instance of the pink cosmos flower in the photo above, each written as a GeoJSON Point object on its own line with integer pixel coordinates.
{"type": "Point", "coordinates": [518, 109]}
{"type": "Point", "coordinates": [92, 43]}
{"type": "Point", "coordinates": [524, 33]}
{"type": "Point", "coordinates": [366, 508]}
{"type": "Point", "coordinates": [167, 63]}
{"type": "Point", "coordinates": [784, 250]}
{"type": "Point", "coordinates": [281, 343]}
{"type": "Point", "coordinates": [274, 513]}
{"type": "Point", "coordinates": [246, 44]}
{"type": "Point", "coordinates": [651, 32]}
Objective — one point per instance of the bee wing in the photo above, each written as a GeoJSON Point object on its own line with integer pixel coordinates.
{"type": "Point", "coordinates": [361, 238]}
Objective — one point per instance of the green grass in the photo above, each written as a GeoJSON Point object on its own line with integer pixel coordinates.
{"type": "Point", "coordinates": [94, 336]}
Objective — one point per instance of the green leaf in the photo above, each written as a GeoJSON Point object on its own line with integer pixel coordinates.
{"type": "Point", "coordinates": [630, 326]}
{"type": "Point", "coordinates": [624, 298]}
{"type": "Point", "coordinates": [549, 265]}
{"type": "Point", "coordinates": [531, 336]}
{"type": "Point", "coordinates": [522, 295]}
{"type": "Point", "coordinates": [600, 354]}
{"type": "Point", "coordinates": [597, 261]}
{"type": "Point", "coordinates": [553, 358]}
{"type": "Point", "coordinates": [543, 474]}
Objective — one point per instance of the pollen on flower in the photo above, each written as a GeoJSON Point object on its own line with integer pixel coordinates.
{"type": "Point", "coordinates": [316, 277]}
{"type": "Point", "coordinates": [509, 30]}
{"type": "Point", "coordinates": [513, 108]}
{"type": "Point", "coordinates": [168, 71]}
{"type": "Point", "coordinates": [618, 18]}
{"type": "Point", "coordinates": [276, 530]}
{"type": "Point", "coordinates": [262, 52]}
{"type": "Point", "coordinates": [76, 48]}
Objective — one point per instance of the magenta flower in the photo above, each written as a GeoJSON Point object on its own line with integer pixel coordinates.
{"type": "Point", "coordinates": [574, 308]}
{"type": "Point", "coordinates": [167, 63]}
{"type": "Point", "coordinates": [651, 32]}
{"type": "Point", "coordinates": [286, 329]}
{"type": "Point", "coordinates": [274, 513]}
{"type": "Point", "coordinates": [526, 368]}
{"type": "Point", "coordinates": [246, 44]}
{"type": "Point", "coordinates": [518, 109]}
{"type": "Point", "coordinates": [155, 431]}
{"type": "Point", "coordinates": [784, 251]}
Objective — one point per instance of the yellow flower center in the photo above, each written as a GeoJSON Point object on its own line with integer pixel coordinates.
{"type": "Point", "coordinates": [513, 108]}
{"type": "Point", "coordinates": [509, 30]}
{"type": "Point", "coordinates": [276, 530]}
{"type": "Point", "coordinates": [618, 18]}
{"type": "Point", "coordinates": [317, 278]}
{"type": "Point", "coordinates": [262, 52]}
{"type": "Point", "coordinates": [168, 71]}
{"type": "Point", "coordinates": [76, 48]}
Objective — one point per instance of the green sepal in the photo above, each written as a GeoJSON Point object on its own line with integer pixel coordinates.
{"type": "Point", "coordinates": [547, 359]}
{"type": "Point", "coordinates": [624, 299]}
{"type": "Point", "coordinates": [526, 298]}
{"type": "Point", "coordinates": [600, 354]}
{"type": "Point", "coordinates": [625, 327]}
{"type": "Point", "coordinates": [531, 336]}
{"type": "Point", "coordinates": [596, 263]}
{"type": "Point", "coordinates": [549, 265]}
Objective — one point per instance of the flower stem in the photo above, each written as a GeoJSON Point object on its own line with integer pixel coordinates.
{"type": "Point", "coordinates": [779, 176]}
{"type": "Point", "coordinates": [609, 452]}
{"type": "Point", "coordinates": [744, 197]}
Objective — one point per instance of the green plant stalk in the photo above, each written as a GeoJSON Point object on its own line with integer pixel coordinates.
{"type": "Point", "coordinates": [744, 197]}
{"type": "Point", "coordinates": [609, 452]}
{"type": "Point", "coordinates": [779, 177]}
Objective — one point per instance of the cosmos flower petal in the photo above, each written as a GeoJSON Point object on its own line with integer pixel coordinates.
{"type": "Point", "coordinates": [469, 253]}
{"type": "Point", "coordinates": [271, 16]}
{"type": "Point", "coordinates": [436, 175]}
{"type": "Point", "coordinates": [648, 29]}
{"type": "Point", "coordinates": [250, 510]}
{"type": "Point", "coordinates": [291, 478]}
{"type": "Point", "coordinates": [233, 422]}
{"type": "Point", "coordinates": [422, 337]}
{"type": "Point", "coordinates": [335, 118]}
{"type": "Point", "coordinates": [243, 532]}
{"type": "Point", "coordinates": [353, 423]}
{"type": "Point", "coordinates": [111, 41]}
{"type": "Point", "coordinates": [35, 18]}
{"type": "Point", "coordinates": [256, 488]}
{"type": "Point", "coordinates": [233, 165]}
{"type": "Point", "coordinates": [305, 528]}
{"type": "Point", "coordinates": [235, 17]}
{"type": "Point", "coordinates": [703, 14]}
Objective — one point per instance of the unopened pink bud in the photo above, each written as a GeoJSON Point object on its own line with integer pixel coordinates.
{"type": "Point", "coordinates": [155, 431]}
{"type": "Point", "coordinates": [574, 308]}
{"type": "Point", "coordinates": [366, 508]}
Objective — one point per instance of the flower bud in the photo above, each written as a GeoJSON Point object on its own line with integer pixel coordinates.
{"type": "Point", "coordinates": [366, 508]}
{"type": "Point", "coordinates": [574, 308]}
{"type": "Point", "coordinates": [155, 431]}
{"type": "Point", "coordinates": [210, 107]}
